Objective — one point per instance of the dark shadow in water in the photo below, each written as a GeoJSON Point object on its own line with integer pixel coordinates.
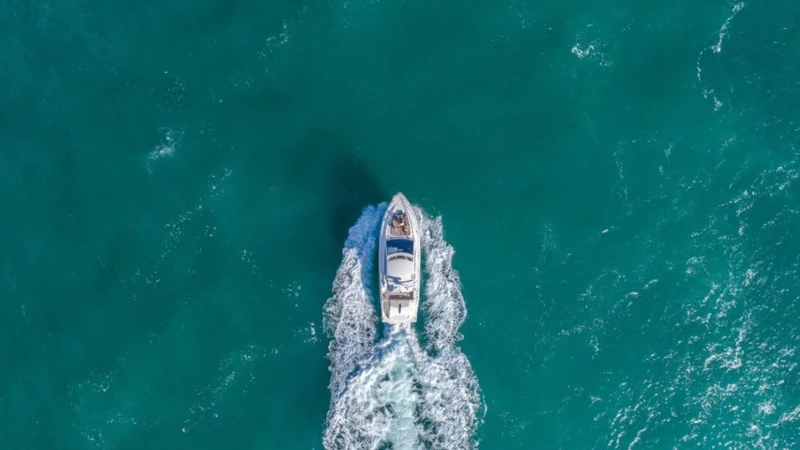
{"type": "Point", "coordinates": [326, 164]}
{"type": "Point", "coordinates": [348, 184]}
{"type": "Point", "coordinates": [353, 187]}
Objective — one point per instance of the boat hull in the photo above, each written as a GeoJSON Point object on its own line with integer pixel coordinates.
{"type": "Point", "coordinates": [399, 262]}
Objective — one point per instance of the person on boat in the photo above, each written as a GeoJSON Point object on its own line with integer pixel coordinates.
{"type": "Point", "coordinates": [399, 220]}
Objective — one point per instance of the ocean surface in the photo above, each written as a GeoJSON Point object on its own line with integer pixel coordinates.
{"type": "Point", "coordinates": [609, 194]}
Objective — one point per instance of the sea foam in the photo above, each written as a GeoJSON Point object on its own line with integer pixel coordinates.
{"type": "Point", "coordinates": [398, 393]}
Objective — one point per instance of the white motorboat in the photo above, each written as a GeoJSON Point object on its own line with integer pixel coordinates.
{"type": "Point", "coordinates": [399, 263]}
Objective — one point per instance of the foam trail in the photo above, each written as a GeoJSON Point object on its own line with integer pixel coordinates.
{"type": "Point", "coordinates": [349, 316]}
{"type": "Point", "coordinates": [396, 393]}
{"type": "Point", "coordinates": [450, 384]}
{"type": "Point", "coordinates": [444, 305]}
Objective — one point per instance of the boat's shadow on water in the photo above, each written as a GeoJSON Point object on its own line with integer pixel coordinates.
{"type": "Point", "coordinates": [352, 187]}
{"type": "Point", "coordinates": [331, 164]}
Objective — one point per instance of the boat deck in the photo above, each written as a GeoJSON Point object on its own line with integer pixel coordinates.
{"type": "Point", "coordinates": [399, 231]}
{"type": "Point", "coordinates": [400, 292]}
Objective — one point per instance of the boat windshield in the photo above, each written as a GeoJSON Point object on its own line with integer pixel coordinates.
{"type": "Point", "coordinates": [399, 245]}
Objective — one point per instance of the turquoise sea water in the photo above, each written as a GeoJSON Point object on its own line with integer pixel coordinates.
{"type": "Point", "coordinates": [189, 192]}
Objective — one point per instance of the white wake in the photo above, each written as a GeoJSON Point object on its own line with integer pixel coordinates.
{"type": "Point", "coordinates": [397, 393]}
